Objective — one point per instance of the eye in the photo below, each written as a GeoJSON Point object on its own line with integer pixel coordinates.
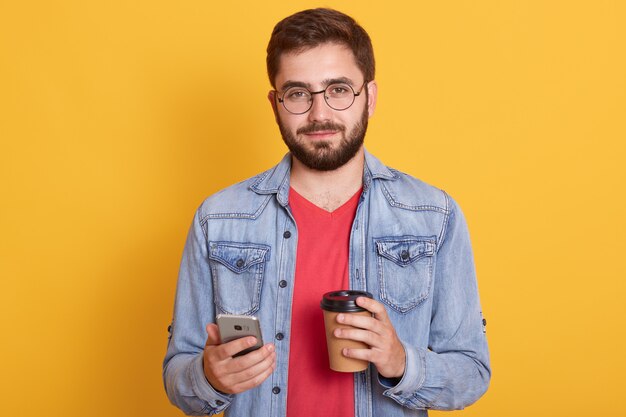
{"type": "Point", "coordinates": [338, 90]}
{"type": "Point", "coordinates": [296, 94]}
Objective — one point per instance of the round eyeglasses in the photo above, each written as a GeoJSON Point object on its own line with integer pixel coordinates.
{"type": "Point", "coordinates": [338, 96]}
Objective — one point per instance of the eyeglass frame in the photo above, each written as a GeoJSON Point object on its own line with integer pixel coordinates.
{"type": "Point", "coordinates": [312, 93]}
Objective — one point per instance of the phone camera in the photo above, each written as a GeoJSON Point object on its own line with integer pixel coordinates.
{"type": "Point", "coordinates": [237, 327]}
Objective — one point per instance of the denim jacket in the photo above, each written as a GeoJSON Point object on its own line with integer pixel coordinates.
{"type": "Point", "coordinates": [409, 247]}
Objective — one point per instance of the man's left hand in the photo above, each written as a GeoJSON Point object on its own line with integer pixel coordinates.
{"type": "Point", "coordinates": [385, 350]}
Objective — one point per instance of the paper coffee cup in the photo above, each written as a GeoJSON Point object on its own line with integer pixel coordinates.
{"type": "Point", "coordinates": [333, 303]}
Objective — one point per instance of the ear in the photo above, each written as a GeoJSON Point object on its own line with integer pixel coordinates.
{"type": "Point", "coordinates": [271, 96]}
{"type": "Point", "coordinates": [372, 96]}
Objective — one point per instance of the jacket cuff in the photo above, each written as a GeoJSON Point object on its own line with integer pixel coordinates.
{"type": "Point", "coordinates": [217, 401]}
{"type": "Point", "coordinates": [403, 389]}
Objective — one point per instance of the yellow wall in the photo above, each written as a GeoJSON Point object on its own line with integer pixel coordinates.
{"type": "Point", "coordinates": [117, 118]}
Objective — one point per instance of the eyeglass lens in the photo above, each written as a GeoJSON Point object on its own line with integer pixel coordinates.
{"type": "Point", "coordinates": [299, 100]}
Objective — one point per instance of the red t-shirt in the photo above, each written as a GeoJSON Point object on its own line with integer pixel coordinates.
{"type": "Point", "coordinates": [321, 266]}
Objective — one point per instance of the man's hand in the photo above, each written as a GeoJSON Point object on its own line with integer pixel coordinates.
{"type": "Point", "coordinates": [385, 350]}
{"type": "Point", "coordinates": [234, 375]}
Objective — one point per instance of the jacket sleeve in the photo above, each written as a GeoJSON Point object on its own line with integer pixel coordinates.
{"type": "Point", "coordinates": [454, 371]}
{"type": "Point", "coordinates": [183, 373]}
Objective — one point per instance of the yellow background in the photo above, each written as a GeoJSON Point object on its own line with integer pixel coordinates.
{"type": "Point", "coordinates": [117, 118]}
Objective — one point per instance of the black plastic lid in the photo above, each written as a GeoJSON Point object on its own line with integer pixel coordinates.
{"type": "Point", "coordinates": [343, 301]}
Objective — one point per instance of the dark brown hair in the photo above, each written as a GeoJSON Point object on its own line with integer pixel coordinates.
{"type": "Point", "coordinates": [310, 28]}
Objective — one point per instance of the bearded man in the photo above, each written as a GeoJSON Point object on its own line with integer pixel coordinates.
{"type": "Point", "coordinates": [329, 216]}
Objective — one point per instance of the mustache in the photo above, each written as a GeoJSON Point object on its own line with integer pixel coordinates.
{"type": "Point", "coordinates": [318, 127]}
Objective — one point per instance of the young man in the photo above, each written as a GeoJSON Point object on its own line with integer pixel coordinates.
{"type": "Point", "coordinates": [329, 216]}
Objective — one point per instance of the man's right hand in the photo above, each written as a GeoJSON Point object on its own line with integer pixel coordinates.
{"type": "Point", "coordinates": [234, 375]}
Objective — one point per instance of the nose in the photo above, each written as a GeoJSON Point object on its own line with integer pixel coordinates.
{"type": "Point", "coordinates": [320, 111]}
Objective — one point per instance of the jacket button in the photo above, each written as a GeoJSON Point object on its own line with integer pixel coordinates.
{"type": "Point", "coordinates": [219, 403]}
{"type": "Point", "coordinates": [280, 336]}
{"type": "Point", "coordinates": [282, 283]}
{"type": "Point", "coordinates": [276, 390]}
{"type": "Point", "coordinates": [404, 255]}
{"type": "Point", "coordinates": [287, 234]}
{"type": "Point", "coordinates": [239, 263]}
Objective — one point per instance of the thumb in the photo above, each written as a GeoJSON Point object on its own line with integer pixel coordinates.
{"type": "Point", "coordinates": [213, 335]}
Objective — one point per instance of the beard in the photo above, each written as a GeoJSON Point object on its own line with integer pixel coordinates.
{"type": "Point", "coordinates": [321, 155]}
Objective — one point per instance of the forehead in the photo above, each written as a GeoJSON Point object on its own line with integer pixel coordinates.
{"type": "Point", "coordinates": [313, 65]}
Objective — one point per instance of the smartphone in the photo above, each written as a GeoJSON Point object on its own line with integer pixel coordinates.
{"type": "Point", "coordinates": [234, 327]}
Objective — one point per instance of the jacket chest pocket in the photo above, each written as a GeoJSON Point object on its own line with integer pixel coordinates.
{"type": "Point", "coordinates": [405, 266]}
{"type": "Point", "coordinates": [237, 271]}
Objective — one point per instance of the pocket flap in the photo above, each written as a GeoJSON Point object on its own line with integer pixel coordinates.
{"type": "Point", "coordinates": [406, 249]}
{"type": "Point", "coordinates": [238, 257]}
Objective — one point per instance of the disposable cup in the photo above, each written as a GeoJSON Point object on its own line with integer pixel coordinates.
{"type": "Point", "coordinates": [333, 303]}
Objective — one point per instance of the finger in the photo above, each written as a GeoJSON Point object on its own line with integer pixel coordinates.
{"type": "Point", "coordinates": [362, 354]}
{"type": "Point", "coordinates": [241, 373]}
{"type": "Point", "coordinates": [374, 307]}
{"type": "Point", "coordinates": [235, 346]}
{"type": "Point", "coordinates": [213, 335]}
{"type": "Point", "coordinates": [255, 375]}
{"type": "Point", "coordinates": [369, 338]}
{"type": "Point", "coordinates": [224, 374]}
{"type": "Point", "coordinates": [356, 320]}
{"type": "Point", "coordinates": [388, 366]}
{"type": "Point", "coordinates": [254, 363]}
{"type": "Point", "coordinates": [252, 358]}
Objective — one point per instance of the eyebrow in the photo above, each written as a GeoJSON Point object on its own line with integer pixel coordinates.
{"type": "Point", "coordinates": [325, 83]}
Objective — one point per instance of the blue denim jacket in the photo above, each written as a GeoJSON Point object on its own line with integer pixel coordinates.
{"type": "Point", "coordinates": [409, 247]}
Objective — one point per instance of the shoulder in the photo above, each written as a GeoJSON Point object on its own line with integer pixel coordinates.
{"type": "Point", "coordinates": [407, 192]}
{"type": "Point", "coordinates": [403, 190]}
{"type": "Point", "coordinates": [238, 201]}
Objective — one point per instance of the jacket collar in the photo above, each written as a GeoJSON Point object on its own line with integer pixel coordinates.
{"type": "Point", "coordinates": [276, 180]}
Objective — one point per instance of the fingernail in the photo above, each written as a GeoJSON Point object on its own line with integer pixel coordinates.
{"type": "Point", "coordinates": [340, 318]}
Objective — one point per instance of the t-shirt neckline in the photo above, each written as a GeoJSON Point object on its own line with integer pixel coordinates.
{"type": "Point", "coordinates": [347, 207]}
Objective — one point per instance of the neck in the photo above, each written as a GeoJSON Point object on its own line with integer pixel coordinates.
{"type": "Point", "coordinates": [328, 189]}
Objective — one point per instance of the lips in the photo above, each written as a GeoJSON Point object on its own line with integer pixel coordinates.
{"type": "Point", "coordinates": [321, 134]}
{"type": "Point", "coordinates": [321, 130]}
